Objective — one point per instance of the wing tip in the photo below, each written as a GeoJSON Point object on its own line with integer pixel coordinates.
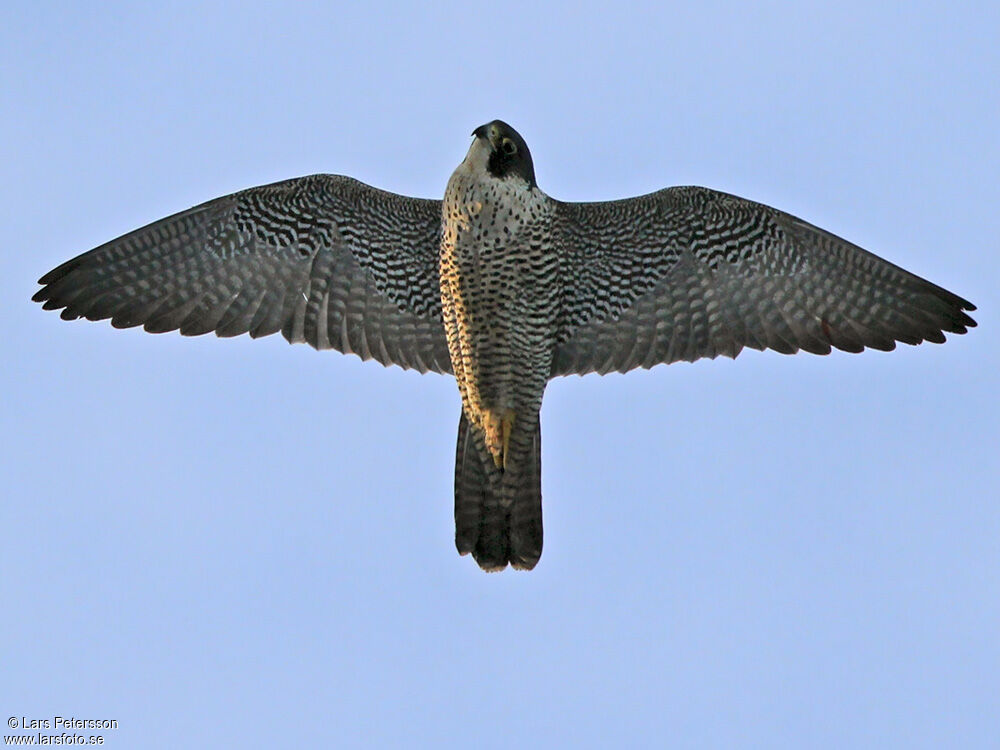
{"type": "Point", "coordinates": [59, 271]}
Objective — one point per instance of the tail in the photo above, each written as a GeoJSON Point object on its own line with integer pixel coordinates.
{"type": "Point", "coordinates": [498, 512]}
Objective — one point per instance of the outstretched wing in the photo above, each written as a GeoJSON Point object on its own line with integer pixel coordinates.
{"type": "Point", "coordinates": [324, 259]}
{"type": "Point", "coordinates": [688, 272]}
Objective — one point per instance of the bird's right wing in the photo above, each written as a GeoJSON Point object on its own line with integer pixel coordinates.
{"type": "Point", "coordinates": [688, 272]}
{"type": "Point", "coordinates": [324, 259]}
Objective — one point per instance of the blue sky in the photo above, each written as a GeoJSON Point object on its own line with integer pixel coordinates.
{"type": "Point", "coordinates": [222, 542]}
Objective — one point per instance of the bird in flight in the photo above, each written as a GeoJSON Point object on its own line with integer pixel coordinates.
{"type": "Point", "coordinates": [505, 288]}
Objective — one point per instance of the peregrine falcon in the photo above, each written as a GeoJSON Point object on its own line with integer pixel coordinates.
{"type": "Point", "coordinates": [504, 288]}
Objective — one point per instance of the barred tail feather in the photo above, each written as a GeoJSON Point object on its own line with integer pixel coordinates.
{"type": "Point", "coordinates": [525, 490]}
{"type": "Point", "coordinates": [498, 513]}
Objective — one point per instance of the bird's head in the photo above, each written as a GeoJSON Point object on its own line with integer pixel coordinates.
{"type": "Point", "coordinates": [506, 154]}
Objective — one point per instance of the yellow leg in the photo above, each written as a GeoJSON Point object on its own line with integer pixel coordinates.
{"type": "Point", "coordinates": [506, 426]}
{"type": "Point", "coordinates": [497, 428]}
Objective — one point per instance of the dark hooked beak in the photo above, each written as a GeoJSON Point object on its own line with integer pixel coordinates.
{"type": "Point", "coordinates": [488, 132]}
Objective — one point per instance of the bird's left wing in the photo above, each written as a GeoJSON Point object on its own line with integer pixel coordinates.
{"type": "Point", "coordinates": [324, 259]}
{"type": "Point", "coordinates": [688, 272]}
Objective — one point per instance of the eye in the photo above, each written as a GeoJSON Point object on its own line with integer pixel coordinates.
{"type": "Point", "coordinates": [508, 146]}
